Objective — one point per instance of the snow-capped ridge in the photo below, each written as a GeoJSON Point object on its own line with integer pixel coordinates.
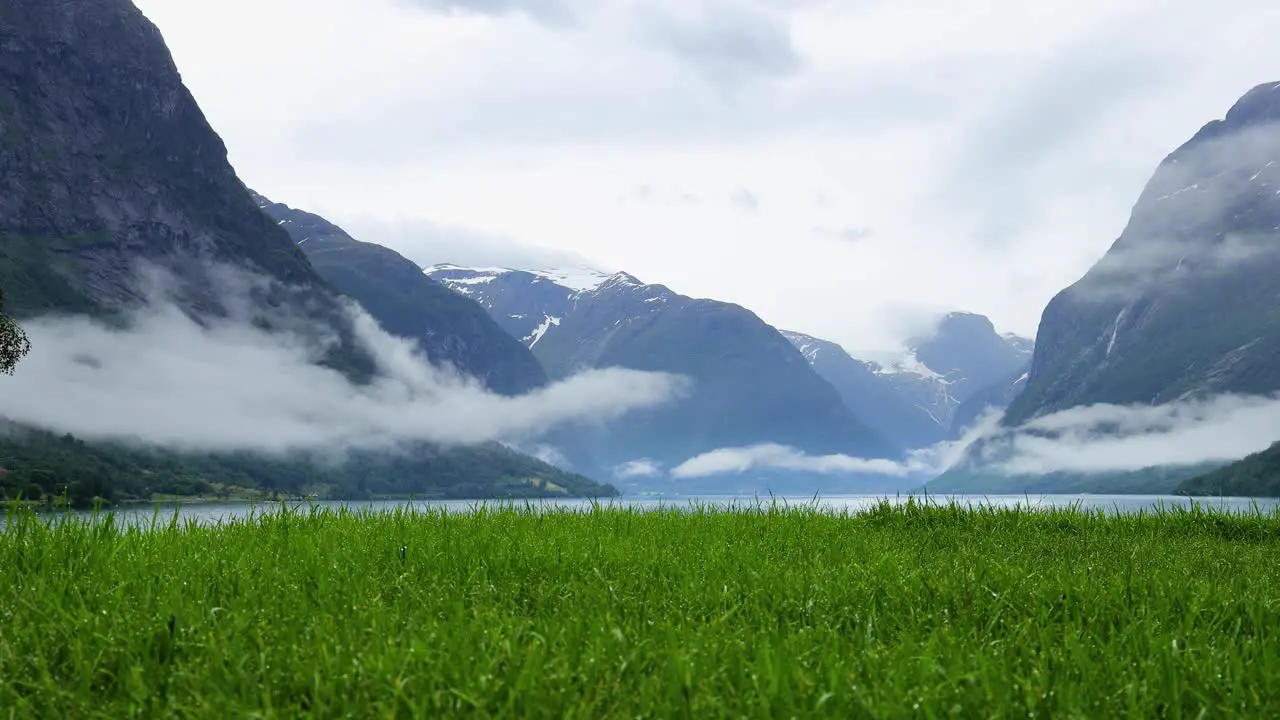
{"type": "Point", "coordinates": [575, 279]}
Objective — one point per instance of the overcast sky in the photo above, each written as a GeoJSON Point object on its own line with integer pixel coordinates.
{"type": "Point", "coordinates": [843, 168]}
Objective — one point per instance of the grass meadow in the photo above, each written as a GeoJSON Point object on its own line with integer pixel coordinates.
{"type": "Point", "coordinates": [907, 611]}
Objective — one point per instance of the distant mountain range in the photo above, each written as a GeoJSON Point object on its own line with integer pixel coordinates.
{"type": "Point", "coordinates": [945, 382]}
{"type": "Point", "coordinates": [749, 384]}
{"type": "Point", "coordinates": [751, 388]}
{"type": "Point", "coordinates": [107, 164]}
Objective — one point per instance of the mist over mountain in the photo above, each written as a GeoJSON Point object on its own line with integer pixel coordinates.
{"type": "Point", "coordinates": [182, 342]}
{"type": "Point", "coordinates": [1185, 301]}
{"type": "Point", "coordinates": [1184, 308]}
{"type": "Point", "coordinates": [749, 384]}
{"type": "Point", "coordinates": [449, 329]}
{"type": "Point", "coordinates": [945, 382]}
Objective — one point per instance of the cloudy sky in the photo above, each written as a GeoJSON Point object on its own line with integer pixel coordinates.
{"type": "Point", "coordinates": [843, 168]}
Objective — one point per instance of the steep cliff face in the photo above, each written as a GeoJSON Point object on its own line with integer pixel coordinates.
{"type": "Point", "coordinates": [1187, 300]}
{"type": "Point", "coordinates": [105, 160]}
{"type": "Point", "coordinates": [448, 327]}
{"type": "Point", "coordinates": [1185, 304]}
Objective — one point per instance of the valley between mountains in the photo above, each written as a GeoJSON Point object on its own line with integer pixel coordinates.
{"type": "Point", "coordinates": [296, 359]}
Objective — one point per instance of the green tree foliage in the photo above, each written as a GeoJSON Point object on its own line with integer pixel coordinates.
{"type": "Point", "coordinates": [36, 464]}
{"type": "Point", "coordinates": [13, 341]}
{"type": "Point", "coordinates": [1255, 476]}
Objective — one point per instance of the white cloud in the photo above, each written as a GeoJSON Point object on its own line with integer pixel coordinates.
{"type": "Point", "coordinates": [1087, 440]}
{"type": "Point", "coordinates": [644, 468]}
{"type": "Point", "coordinates": [922, 464]}
{"type": "Point", "coordinates": [428, 243]}
{"type": "Point", "coordinates": [780, 457]}
{"type": "Point", "coordinates": [1111, 438]}
{"type": "Point", "coordinates": [996, 152]}
{"type": "Point", "coordinates": [168, 381]}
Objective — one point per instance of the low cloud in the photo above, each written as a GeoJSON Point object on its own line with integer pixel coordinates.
{"type": "Point", "coordinates": [1231, 179]}
{"type": "Point", "coordinates": [428, 243]}
{"type": "Point", "coordinates": [634, 469]}
{"type": "Point", "coordinates": [227, 385]}
{"type": "Point", "coordinates": [548, 454]}
{"type": "Point", "coordinates": [1113, 438]}
{"type": "Point", "coordinates": [1085, 440]}
{"type": "Point", "coordinates": [1130, 271]}
{"type": "Point", "coordinates": [551, 12]}
{"type": "Point", "coordinates": [922, 463]}
{"type": "Point", "coordinates": [780, 457]}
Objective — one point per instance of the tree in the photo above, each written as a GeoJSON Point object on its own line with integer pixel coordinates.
{"type": "Point", "coordinates": [13, 341]}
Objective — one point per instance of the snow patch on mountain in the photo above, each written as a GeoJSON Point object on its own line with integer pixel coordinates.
{"type": "Point", "coordinates": [580, 279]}
{"type": "Point", "coordinates": [536, 335]}
{"type": "Point", "coordinates": [909, 364]}
{"type": "Point", "coordinates": [575, 279]}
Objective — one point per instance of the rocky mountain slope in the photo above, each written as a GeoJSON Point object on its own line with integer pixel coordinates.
{"type": "Point", "coordinates": [916, 402]}
{"type": "Point", "coordinates": [909, 405]}
{"type": "Point", "coordinates": [997, 396]}
{"type": "Point", "coordinates": [750, 385]}
{"type": "Point", "coordinates": [449, 328]}
{"type": "Point", "coordinates": [966, 350]}
{"type": "Point", "coordinates": [1187, 300]}
{"type": "Point", "coordinates": [525, 303]}
{"type": "Point", "coordinates": [1185, 304]}
{"type": "Point", "coordinates": [108, 166]}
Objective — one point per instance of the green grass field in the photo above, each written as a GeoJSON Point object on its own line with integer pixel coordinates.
{"type": "Point", "coordinates": [898, 612]}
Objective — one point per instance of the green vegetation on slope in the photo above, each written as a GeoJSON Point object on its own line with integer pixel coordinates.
{"type": "Point", "coordinates": [898, 612]}
{"type": "Point", "coordinates": [14, 344]}
{"type": "Point", "coordinates": [1156, 480]}
{"type": "Point", "coordinates": [1255, 476]}
{"type": "Point", "coordinates": [43, 466]}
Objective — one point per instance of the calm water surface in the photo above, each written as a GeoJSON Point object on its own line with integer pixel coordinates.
{"type": "Point", "coordinates": [220, 512]}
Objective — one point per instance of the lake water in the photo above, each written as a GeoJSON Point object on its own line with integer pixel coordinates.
{"type": "Point", "coordinates": [216, 512]}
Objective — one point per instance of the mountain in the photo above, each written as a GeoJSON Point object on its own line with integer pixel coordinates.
{"type": "Point", "coordinates": [966, 350]}
{"type": "Point", "coordinates": [917, 402]}
{"type": "Point", "coordinates": [525, 303]}
{"type": "Point", "coordinates": [1186, 302]}
{"type": "Point", "coordinates": [750, 385]}
{"type": "Point", "coordinates": [907, 405]}
{"type": "Point", "coordinates": [107, 168]}
{"type": "Point", "coordinates": [447, 327]}
{"type": "Point", "coordinates": [1255, 476]}
{"type": "Point", "coordinates": [997, 396]}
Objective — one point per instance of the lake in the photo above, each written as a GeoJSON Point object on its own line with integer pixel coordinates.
{"type": "Point", "coordinates": [1112, 504]}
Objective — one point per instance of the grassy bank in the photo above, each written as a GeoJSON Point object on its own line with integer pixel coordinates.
{"type": "Point", "coordinates": [926, 612]}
